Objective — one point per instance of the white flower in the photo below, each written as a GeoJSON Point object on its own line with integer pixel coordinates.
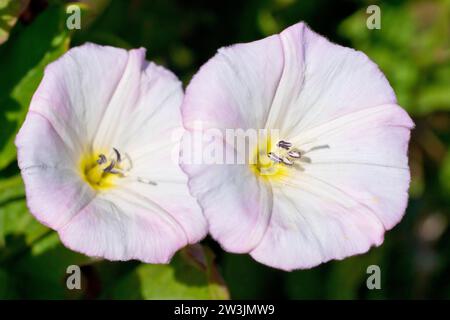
{"type": "Point", "coordinates": [337, 177]}
{"type": "Point", "coordinates": [95, 153]}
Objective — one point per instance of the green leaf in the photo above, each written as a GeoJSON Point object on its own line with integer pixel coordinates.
{"type": "Point", "coordinates": [190, 275]}
{"type": "Point", "coordinates": [10, 10]}
{"type": "Point", "coordinates": [412, 49]}
{"type": "Point", "coordinates": [29, 249]}
{"type": "Point", "coordinates": [11, 188]}
{"type": "Point", "coordinates": [18, 228]}
{"type": "Point", "coordinates": [43, 270]}
{"type": "Point", "coordinates": [22, 61]}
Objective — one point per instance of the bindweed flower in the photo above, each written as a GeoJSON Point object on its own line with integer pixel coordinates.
{"type": "Point", "coordinates": [96, 156]}
{"type": "Point", "coordinates": [335, 177]}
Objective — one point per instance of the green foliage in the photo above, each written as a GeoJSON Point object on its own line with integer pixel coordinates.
{"type": "Point", "coordinates": [9, 12]}
{"type": "Point", "coordinates": [18, 228]}
{"type": "Point", "coordinates": [191, 275]}
{"type": "Point", "coordinates": [22, 61]}
{"type": "Point", "coordinates": [41, 270]}
{"type": "Point", "coordinates": [412, 49]}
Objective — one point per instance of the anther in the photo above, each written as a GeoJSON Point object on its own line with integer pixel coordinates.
{"type": "Point", "coordinates": [117, 171]}
{"type": "Point", "coordinates": [284, 144]}
{"type": "Point", "coordinates": [274, 157]}
{"type": "Point", "coordinates": [110, 167]}
{"type": "Point", "coordinates": [118, 157]}
{"type": "Point", "coordinates": [294, 154]}
{"type": "Point", "coordinates": [101, 159]}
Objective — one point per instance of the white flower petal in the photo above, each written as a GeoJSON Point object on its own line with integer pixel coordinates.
{"type": "Point", "coordinates": [92, 100]}
{"type": "Point", "coordinates": [332, 103]}
{"type": "Point", "coordinates": [76, 91]}
{"type": "Point", "coordinates": [242, 80]}
{"type": "Point", "coordinates": [120, 226]}
{"type": "Point", "coordinates": [236, 202]}
{"type": "Point", "coordinates": [321, 81]}
{"type": "Point", "coordinates": [55, 192]}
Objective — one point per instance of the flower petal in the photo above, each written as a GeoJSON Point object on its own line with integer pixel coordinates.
{"type": "Point", "coordinates": [312, 223]}
{"type": "Point", "coordinates": [120, 226]}
{"type": "Point", "coordinates": [236, 87]}
{"type": "Point", "coordinates": [236, 203]}
{"type": "Point", "coordinates": [321, 81]}
{"type": "Point", "coordinates": [97, 98]}
{"type": "Point", "coordinates": [150, 132]}
{"type": "Point", "coordinates": [348, 194]}
{"type": "Point", "coordinates": [55, 192]}
{"type": "Point", "coordinates": [76, 91]}
{"type": "Point", "coordinates": [323, 98]}
{"type": "Point", "coordinates": [366, 156]}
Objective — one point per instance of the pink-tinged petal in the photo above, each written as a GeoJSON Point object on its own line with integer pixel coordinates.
{"type": "Point", "coordinates": [347, 196]}
{"type": "Point", "coordinates": [236, 203]}
{"type": "Point", "coordinates": [150, 134]}
{"type": "Point", "coordinates": [335, 81]}
{"type": "Point", "coordinates": [123, 104]}
{"type": "Point", "coordinates": [366, 157]}
{"type": "Point", "coordinates": [170, 192]}
{"type": "Point", "coordinates": [332, 103]}
{"type": "Point", "coordinates": [76, 91]}
{"type": "Point", "coordinates": [122, 226]}
{"type": "Point", "coordinates": [154, 120]}
{"type": "Point", "coordinates": [235, 87]}
{"type": "Point", "coordinates": [55, 191]}
{"type": "Point", "coordinates": [312, 223]}
{"type": "Point", "coordinates": [92, 100]}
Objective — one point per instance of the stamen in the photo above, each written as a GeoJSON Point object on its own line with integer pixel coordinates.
{"type": "Point", "coordinates": [110, 167]}
{"type": "Point", "coordinates": [284, 144]}
{"type": "Point", "coordinates": [126, 164]}
{"type": "Point", "coordinates": [294, 154]}
{"type": "Point", "coordinates": [100, 172]}
{"type": "Point", "coordinates": [117, 171]}
{"type": "Point", "coordinates": [101, 159]}
{"type": "Point", "coordinates": [291, 156]}
{"type": "Point", "coordinates": [274, 157]}
{"type": "Point", "coordinates": [118, 157]}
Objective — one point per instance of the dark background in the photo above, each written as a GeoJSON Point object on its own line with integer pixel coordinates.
{"type": "Point", "coordinates": [412, 48]}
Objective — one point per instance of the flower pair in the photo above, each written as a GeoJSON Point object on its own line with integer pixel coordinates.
{"type": "Point", "coordinates": [96, 152]}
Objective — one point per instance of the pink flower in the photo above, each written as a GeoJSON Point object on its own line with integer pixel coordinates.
{"type": "Point", "coordinates": [338, 175]}
{"type": "Point", "coordinates": [95, 153]}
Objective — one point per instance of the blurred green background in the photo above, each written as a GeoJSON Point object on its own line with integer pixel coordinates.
{"type": "Point", "coordinates": [412, 48]}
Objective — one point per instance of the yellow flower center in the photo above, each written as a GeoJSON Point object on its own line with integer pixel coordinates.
{"type": "Point", "coordinates": [101, 170]}
{"type": "Point", "coordinates": [265, 167]}
{"type": "Point", "coordinates": [93, 171]}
